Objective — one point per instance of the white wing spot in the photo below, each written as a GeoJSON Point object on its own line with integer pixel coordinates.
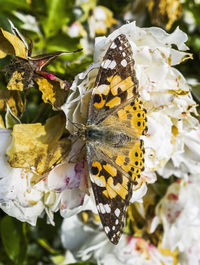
{"type": "Point", "coordinates": [104, 89]}
{"type": "Point", "coordinates": [116, 221]}
{"type": "Point", "coordinates": [112, 65]}
{"type": "Point", "coordinates": [120, 47]}
{"type": "Point", "coordinates": [113, 46]}
{"type": "Point", "coordinates": [113, 228]}
{"type": "Point", "coordinates": [117, 212]}
{"type": "Point", "coordinates": [107, 229]}
{"type": "Point", "coordinates": [101, 208]}
{"type": "Point", "coordinates": [124, 62]}
{"type": "Point", "coordinates": [124, 54]}
{"type": "Point", "coordinates": [106, 63]}
{"type": "Point", "coordinates": [99, 182]}
{"type": "Point", "coordinates": [107, 208]}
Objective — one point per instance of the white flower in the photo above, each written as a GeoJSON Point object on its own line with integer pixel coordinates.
{"type": "Point", "coordinates": [76, 30]}
{"type": "Point", "coordinates": [85, 242]}
{"type": "Point", "coordinates": [191, 253]}
{"type": "Point", "coordinates": [29, 22]}
{"type": "Point", "coordinates": [26, 195]}
{"type": "Point", "coordinates": [163, 89]}
{"type": "Point", "coordinates": [101, 20]}
{"type": "Point", "coordinates": [16, 197]}
{"type": "Point", "coordinates": [179, 213]}
{"type": "Point", "coordinates": [186, 157]}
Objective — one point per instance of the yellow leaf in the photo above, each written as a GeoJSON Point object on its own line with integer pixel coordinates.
{"type": "Point", "coordinates": [13, 100]}
{"type": "Point", "coordinates": [16, 81]}
{"type": "Point", "coordinates": [11, 45]}
{"type": "Point", "coordinates": [51, 92]}
{"type": "Point", "coordinates": [164, 12]}
{"type": "Point", "coordinates": [37, 146]}
{"type": "Point", "coordinates": [2, 125]}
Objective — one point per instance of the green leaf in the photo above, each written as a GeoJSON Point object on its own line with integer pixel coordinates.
{"type": "Point", "coordinates": [9, 5]}
{"type": "Point", "coordinates": [4, 259]}
{"type": "Point", "coordinates": [58, 260]}
{"type": "Point", "coordinates": [43, 242]}
{"type": "Point", "coordinates": [62, 42]}
{"type": "Point", "coordinates": [5, 24]}
{"type": "Point", "coordinates": [10, 119]}
{"type": "Point", "coordinates": [5, 62]}
{"type": "Point", "coordinates": [13, 237]}
{"type": "Point", "coordinates": [58, 14]}
{"type": "Point", "coordinates": [196, 92]}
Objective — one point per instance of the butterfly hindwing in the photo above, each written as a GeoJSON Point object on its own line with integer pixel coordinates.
{"type": "Point", "coordinates": [112, 191]}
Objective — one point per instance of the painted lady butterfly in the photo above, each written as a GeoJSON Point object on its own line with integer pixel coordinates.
{"type": "Point", "coordinates": [116, 120]}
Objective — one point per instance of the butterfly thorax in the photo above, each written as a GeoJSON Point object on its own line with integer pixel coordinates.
{"type": "Point", "coordinates": [112, 137]}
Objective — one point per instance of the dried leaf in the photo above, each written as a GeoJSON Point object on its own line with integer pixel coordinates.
{"type": "Point", "coordinates": [16, 81]}
{"type": "Point", "coordinates": [24, 72]}
{"type": "Point", "coordinates": [10, 44]}
{"type": "Point", "coordinates": [21, 74]}
{"type": "Point", "coordinates": [13, 100]}
{"type": "Point", "coordinates": [37, 146]}
{"type": "Point", "coordinates": [164, 12]}
{"type": "Point", "coordinates": [51, 92]}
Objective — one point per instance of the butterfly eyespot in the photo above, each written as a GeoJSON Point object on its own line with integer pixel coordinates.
{"type": "Point", "coordinates": [130, 173]}
{"type": "Point", "coordinates": [139, 123]}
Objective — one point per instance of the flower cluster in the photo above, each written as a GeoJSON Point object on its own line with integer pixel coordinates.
{"type": "Point", "coordinates": [171, 148]}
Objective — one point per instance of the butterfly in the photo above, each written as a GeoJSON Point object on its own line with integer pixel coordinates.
{"type": "Point", "coordinates": [116, 120]}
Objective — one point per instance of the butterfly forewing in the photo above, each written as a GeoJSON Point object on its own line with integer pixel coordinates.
{"type": "Point", "coordinates": [116, 82]}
